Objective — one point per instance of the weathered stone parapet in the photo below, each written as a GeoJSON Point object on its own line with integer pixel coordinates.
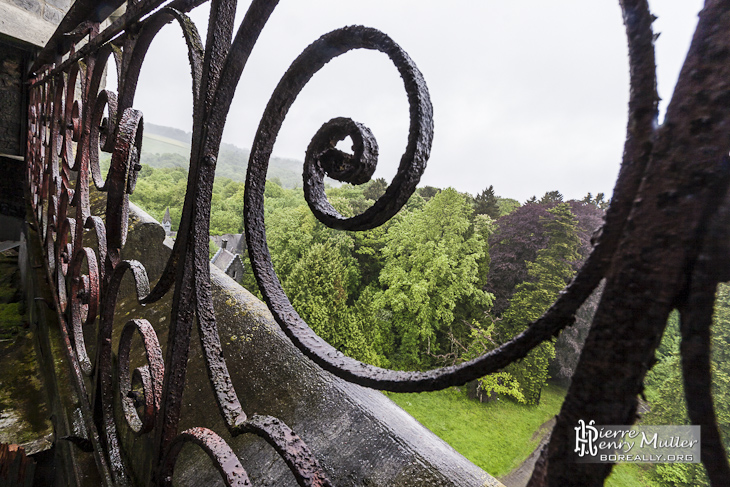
{"type": "Point", "coordinates": [25, 25]}
{"type": "Point", "coordinates": [31, 21]}
{"type": "Point", "coordinates": [359, 436]}
{"type": "Point", "coordinates": [64, 463]}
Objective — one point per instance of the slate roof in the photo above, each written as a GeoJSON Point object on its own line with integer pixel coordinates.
{"type": "Point", "coordinates": [224, 259]}
{"type": "Point", "coordinates": [236, 242]}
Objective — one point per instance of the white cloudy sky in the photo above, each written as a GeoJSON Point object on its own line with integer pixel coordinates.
{"type": "Point", "coordinates": [529, 95]}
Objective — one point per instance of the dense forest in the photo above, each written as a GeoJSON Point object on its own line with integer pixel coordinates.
{"type": "Point", "coordinates": [450, 277]}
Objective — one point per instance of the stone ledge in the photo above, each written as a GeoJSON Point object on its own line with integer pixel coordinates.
{"type": "Point", "coordinates": [21, 24]}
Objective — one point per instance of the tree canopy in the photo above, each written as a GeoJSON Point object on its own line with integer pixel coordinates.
{"type": "Point", "coordinates": [432, 263]}
{"type": "Point", "coordinates": [449, 277]}
{"type": "Point", "coordinates": [487, 203]}
{"type": "Point", "coordinates": [549, 273]}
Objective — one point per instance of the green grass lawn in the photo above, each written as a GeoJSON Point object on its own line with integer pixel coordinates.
{"type": "Point", "coordinates": [157, 144]}
{"type": "Point", "coordinates": [630, 475]}
{"type": "Point", "coordinates": [496, 436]}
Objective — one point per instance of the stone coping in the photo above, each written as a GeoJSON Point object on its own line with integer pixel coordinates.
{"type": "Point", "coordinates": [24, 25]}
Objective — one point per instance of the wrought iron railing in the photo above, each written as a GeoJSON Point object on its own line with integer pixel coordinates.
{"type": "Point", "coordinates": [663, 246]}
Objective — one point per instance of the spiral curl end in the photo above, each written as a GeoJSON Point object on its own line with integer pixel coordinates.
{"type": "Point", "coordinates": [324, 158]}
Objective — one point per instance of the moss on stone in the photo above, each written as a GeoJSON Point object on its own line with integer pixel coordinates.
{"type": "Point", "coordinates": [12, 309]}
{"type": "Point", "coordinates": [23, 415]}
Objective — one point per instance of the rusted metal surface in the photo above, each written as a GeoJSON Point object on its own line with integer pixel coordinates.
{"type": "Point", "coordinates": [150, 376]}
{"type": "Point", "coordinates": [664, 244]}
{"type": "Point", "coordinates": [290, 446]}
{"type": "Point", "coordinates": [215, 447]}
{"type": "Point", "coordinates": [16, 469]}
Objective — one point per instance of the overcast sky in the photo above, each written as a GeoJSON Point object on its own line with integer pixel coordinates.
{"type": "Point", "coordinates": [529, 96]}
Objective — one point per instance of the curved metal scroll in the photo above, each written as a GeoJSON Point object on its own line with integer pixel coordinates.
{"type": "Point", "coordinates": [666, 210]}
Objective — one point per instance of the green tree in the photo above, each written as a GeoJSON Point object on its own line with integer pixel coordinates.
{"type": "Point", "coordinates": [551, 197]}
{"type": "Point", "coordinates": [375, 189]}
{"type": "Point", "coordinates": [368, 251]}
{"type": "Point", "coordinates": [212, 249]}
{"type": "Point", "coordinates": [428, 192]}
{"type": "Point", "coordinates": [549, 274]}
{"type": "Point", "coordinates": [319, 287]}
{"type": "Point", "coordinates": [432, 263]}
{"type": "Point", "coordinates": [507, 205]}
{"type": "Point", "coordinates": [290, 232]}
{"type": "Point", "coordinates": [600, 200]}
{"type": "Point", "coordinates": [481, 341]}
{"type": "Point", "coordinates": [158, 189]}
{"type": "Point", "coordinates": [487, 203]}
{"type": "Point", "coordinates": [664, 386]}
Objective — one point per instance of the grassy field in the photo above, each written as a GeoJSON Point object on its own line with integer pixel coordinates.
{"type": "Point", "coordinates": [157, 144]}
{"type": "Point", "coordinates": [630, 475]}
{"type": "Point", "coordinates": [497, 436]}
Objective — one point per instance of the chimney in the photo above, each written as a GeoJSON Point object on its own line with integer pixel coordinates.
{"type": "Point", "coordinates": [224, 242]}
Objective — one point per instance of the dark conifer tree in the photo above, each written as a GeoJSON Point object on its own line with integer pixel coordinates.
{"type": "Point", "coordinates": [487, 203]}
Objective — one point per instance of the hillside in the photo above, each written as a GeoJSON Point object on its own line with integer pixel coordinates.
{"type": "Point", "coordinates": [170, 147]}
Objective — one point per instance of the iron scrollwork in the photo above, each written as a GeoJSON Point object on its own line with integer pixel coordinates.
{"type": "Point", "coordinates": [65, 133]}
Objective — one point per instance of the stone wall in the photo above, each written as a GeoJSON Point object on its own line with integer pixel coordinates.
{"type": "Point", "coordinates": [12, 63]}
{"type": "Point", "coordinates": [50, 11]}
{"type": "Point", "coordinates": [25, 25]}
{"type": "Point", "coordinates": [12, 198]}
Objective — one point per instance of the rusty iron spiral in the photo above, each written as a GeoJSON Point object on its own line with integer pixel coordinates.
{"type": "Point", "coordinates": [665, 235]}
